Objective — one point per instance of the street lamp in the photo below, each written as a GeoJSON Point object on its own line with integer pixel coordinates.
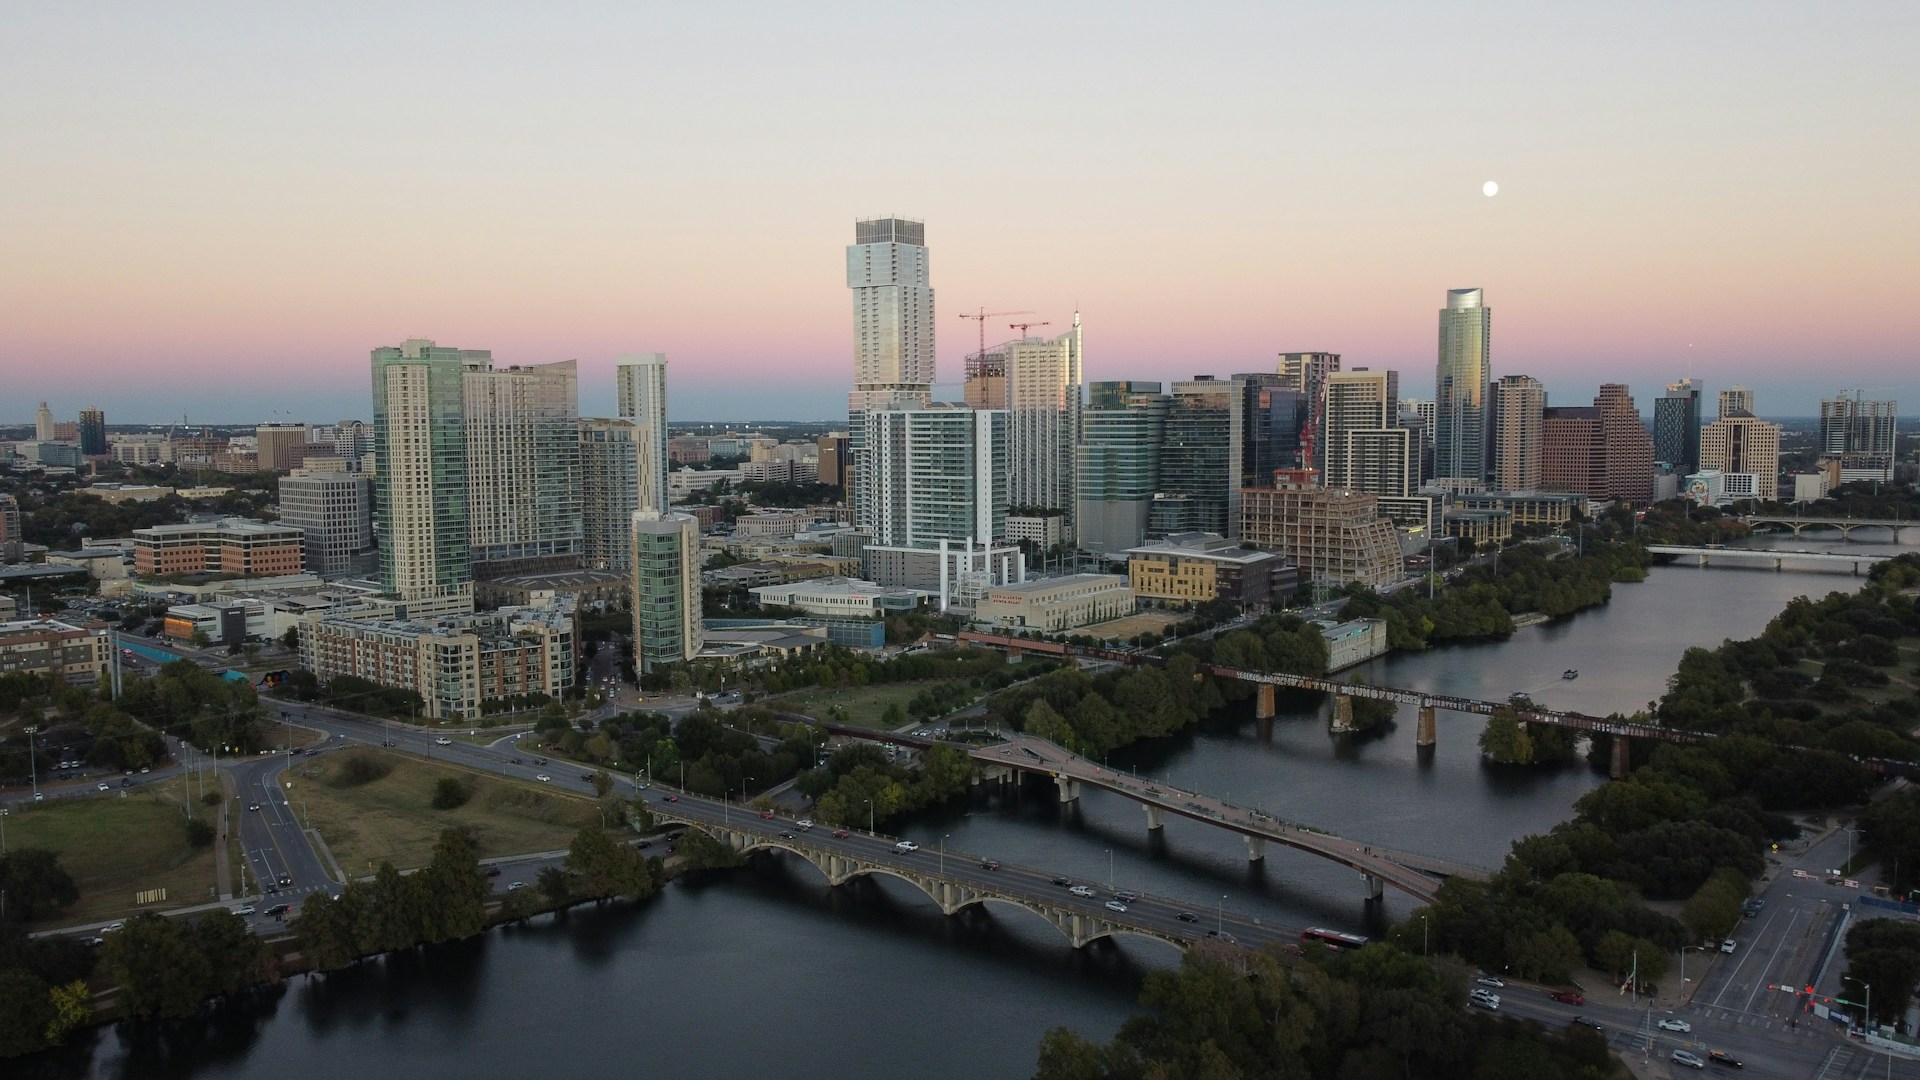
{"type": "Point", "coordinates": [869, 817]}
{"type": "Point", "coordinates": [1423, 935]}
{"type": "Point", "coordinates": [1109, 869]}
{"type": "Point", "coordinates": [1220, 916]}
{"type": "Point", "coordinates": [33, 765]}
{"type": "Point", "coordinates": [3, 830]}
{"type": "Point", "coordinates": [943, 853]}
{"type": "Point", "coordinates": [1866, 1023]}
{"type": "Point", "coordinates": [1683, 965]}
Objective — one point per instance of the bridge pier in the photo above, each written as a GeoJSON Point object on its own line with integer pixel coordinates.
{"type": "Point", "coordinates": [1376, 888]}
{"type": "Point", "coordinates": [1777, 564]}
{"type": "Point", "coordinates": [1622, 762]}
{"type": "Point", "coordinates": [1155, 819]}
{"type": "Point", "coordinates": [1256, 848]}
{"type": "Point", "coordinates": [1342, 714]}
{"type": "Point", "coordinates": [1263, 703]}
{"type": "Point", "coordinates": [1425, 734]}
{"type": "Point", "coordinates": [1069, 788]}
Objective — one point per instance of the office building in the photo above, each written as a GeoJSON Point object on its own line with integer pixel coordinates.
{"type": "Point", "coordinates": [1520, 403]}
{"type": "Point", "coordinates": [1044, 416]}
{"type": "Point", "coordinates": [641, 395]}
{"type": "Point", "coordinates": [65, 653]}
{"type": "Point", "coordinates": [237, 546]}
{"type": "Point", "coordinates": [1736, 401]}
{"type": "Point", "coordinates": [1199, 460]}
{"type": "Point", "coordinates": [666, 589]}
{"type": "Point", "coordinates": [888, 272]}
{"type": "Point", "coordinates": [11, 542]}
{"type": "Point", "coordinates": [92, 429]}
{"type": "Point", "coordinates": [1676, 427]}
{"type": "Point", "coordinates": [1627, 448]}
{"type": "Point", "coordinates": [43, 424]}
{"type": "Point", "coordinates": [334, 511]}
{"type": "Point", "coordinates": [839, 597]}
{"type": "Point", "coordinates": [1746, 451]}
{"type": "Point", "coordinates": [1861, 435]}
{"type": "Point", "coordinates": [461, 666]}
{"type": "Point", "coordinates": [280, 447]}
{"type": "Point", "coordinates": [1119, 463]}
{"type": "Point", "coordinates": [933, 474]}
{"type": "Point", "coordinates": [1334, 537]}
{"type": "Point", "coordinates": [1055, 605]}
{"type": "Point", "coordinates": [523, 466]}
{"type": "Point", "coordinates": [1186, 569]}
{"type": "Point", "coordinates": [1460, 397]}
{"type": "Point", "coordinates": [1307, 373]}
{"type": "Point", "coordinates": [833, 455]}
{"type": "Point", "coordinates": [609, 492]}
{"type": "Point", "coordinates": [1416, 415]}
{"type": "Point", "coordinates": [420, 487]}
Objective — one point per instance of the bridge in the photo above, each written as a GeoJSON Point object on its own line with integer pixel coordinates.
{"type": "Point", "coordinates": [1416, 875]}
{"type": "Point", "coordinates": [957, 880]}
{"type": "Point", "coordinates": [1844, 525]}
{"type": "Point", "coordinates": [1806, 560]}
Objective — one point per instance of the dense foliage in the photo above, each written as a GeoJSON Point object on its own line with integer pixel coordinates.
{"type": "Point", "coordinates": [858, 786]}
{"type": "Point", "coordinates": [40, 979]}
{"type": "Point", "coordinates": [1884, 954]}
{"type": "Point", "coordinates": [443, 901]}
{"type": "Point", "coordinates": [165, 967]}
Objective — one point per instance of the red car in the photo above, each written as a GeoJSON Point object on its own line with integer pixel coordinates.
{"type": "Point", "coordinates": [840, 834]}
{"type": "Point", "coordinates": [1567, 997]}
{"type": "Point", "coordinates": [768, 814]}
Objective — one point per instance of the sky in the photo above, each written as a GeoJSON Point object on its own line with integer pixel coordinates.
{"type": "Point", "coordinates": [220, 209]}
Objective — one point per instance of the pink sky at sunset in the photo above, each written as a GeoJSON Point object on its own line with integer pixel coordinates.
{"type": "Point", "coordinates": [223, 211]}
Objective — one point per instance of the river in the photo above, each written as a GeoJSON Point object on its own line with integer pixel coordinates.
{"type": "Point", "coordinates": [766, 971]}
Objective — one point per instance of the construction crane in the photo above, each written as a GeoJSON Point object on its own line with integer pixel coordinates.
{"type": "Point", "coordinates": [976, 364]}
{"type": "Point", "coordinates": [1022, 326]}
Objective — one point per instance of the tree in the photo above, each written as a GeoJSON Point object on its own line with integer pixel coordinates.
{"type": "Point", "coordinates": [1505, 739]}
{"type": "Point", "coordinates": [451, 890]}
{"type": "Point", "coordinates": [236, 959]}
{"type": "Point", "coordinates": [291, 639]}
{"type": "Point", "coordinates": [450, 793]}
{"type": "Point", "coordinates": [26, 1012]}
{"type": "Point", "coordinates": [72, 1008]}
{"type": "Point", "coordinates": [1885, 954]}
{"type": "Point", "coordinates": [555, 885]}
{"type": "Point", "coordinates": [161, 974]}
{"type": "Point", "coordinates": [326, 935]}
{"type": "Point", "coordinates": [602, 784]}
{"type": "Point", "coordinates": [34, 884]}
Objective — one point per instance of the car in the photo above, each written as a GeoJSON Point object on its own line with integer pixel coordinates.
{"type": "Point", "coordinates": [543, 778]}
{"type": "Point", "coordinates": [803, 823]}
{"type": "Point", "coordinates": [126, 781]}
{"type": "Point", "coordinates": [1484, 997]}
{"type": "Point", "coordinates": [1727, 946]}
{"type": "Point", "coordinates": [1115, 905]}
{"type": "Point", "coordinates": [279, 910]}
{"type": "Point", "coordinates": [491, 871]}
{"type": "Point", "coordinates": [1187, 917]}
{"type": "Point", "coordinates": [906, 845]}
{"type": "Point", "coordinates": [443, 741]}
{"type": "Point", "coordinates": [1081, 891]}
{"type": "Point", "coordinates": [244, 909]}
{"type": "Point", "coordinates": [146, 768]}
{"type": "Point", "coordinates": [1491, 1001]}
{"type": "Point", "coordinates": [285, 880]}
{"type": "Point", "coordinates": [1567, 997]}
{"type": "Point", "coordinates": [766, 815]}
{"type": "Point", "coordinates": [1126, 896]}
{"type": "Point", "coordinates": [989, 864]}
{"type": "Point", "coordinates": [113, 926]}
{"type": "Point", "coordinates": [587, 776]}
{"type": "Point", "coordinates": [1721, 1057]}
{"type": "Point", "coordinates": [669, 798]}
{"type": "Point", "coordinates": [1587, 1021]}
{"type": "Point", "coordinates": [253, 806]}
{"type": "Point", "coordinates": [1063, 882]}
{"type": "Point", "coordinates": [1689, 1059]}
{"type": "Point", "coordinates": [516, 886]}
{"type": "Point", "coordinates": [1488, 980]}
{"type": "Point", "coordinates": [39, 796]}
{"type": "Point", "coordinates": [516, 761]}
{"type": "Point", "coordinates": [1672, 1024]}
{"type": "Point", "coordinates": [539, 761]}
{"type": "Point", "coordinates": [1752, 907]}
{"type": "Point", "coordinates": [1222, 935]}
{"type": "Point", "coordinates": [103, 786]}
{"type": "Point", "coordinates": [841, 834]}
{"type": "Point", "coordinates": [786, 836]}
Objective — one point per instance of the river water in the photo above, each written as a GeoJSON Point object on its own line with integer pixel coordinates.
{"type": "Point", "coordinates": [767, 972]}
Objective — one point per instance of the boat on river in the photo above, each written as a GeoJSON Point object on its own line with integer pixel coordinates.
{"type": "Point", "coordinates": [1570, 673]}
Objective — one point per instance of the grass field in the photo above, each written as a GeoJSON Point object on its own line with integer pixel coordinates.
{"type": "Point", "coordinates": [393, 818]}
{"type": "Point", "coordinates": [114, 847]}
{"type": "Point", "coordinates": [863, 704]}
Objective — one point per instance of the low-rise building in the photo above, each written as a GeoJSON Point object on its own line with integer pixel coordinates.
{"type": "Point", "coordinates": [1527, 507]}
{"type": "Point", "coordinates": [119, 493]}
{"type": "Point", "coordinates": [1479, 526]}
{"type": "Point", "coordinates": [588, 590]}
{"type": "Point", "coordinates": [101, 564]}
{"type": "Point", "coordinates": [1195, 567]}
{"type": "Point", "coordinates": [839, 598]}
{"type": "Point", "coordinates": [70, 653]}
{"type": "Point", "coordinates": [230, 546]}
{"type": "Point", "coordinates": [1353, 642]}
{"type": "Point", "coordinates": [1055, 605]}
{"type": "Point", "coordinates": [1041, 530]}
{"type": "Point", "coordinates": [457, 664]}
{"type": "Point", "coordinates": [1810, 486]}
{"type": "Point", "coordinates": [781, 524]}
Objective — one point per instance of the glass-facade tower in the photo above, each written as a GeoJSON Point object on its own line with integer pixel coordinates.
{"type": "Point", "coordinates": [420, 478]}
{"type": "Point", "coordinates": [1119, 464]}
{"type": "Point", "coordinates": [1460, 391]}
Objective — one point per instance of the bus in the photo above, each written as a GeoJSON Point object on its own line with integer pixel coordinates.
{"type": "Point", "coordinates": [1332, 939]}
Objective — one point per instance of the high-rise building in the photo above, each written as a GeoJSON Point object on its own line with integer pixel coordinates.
{"type": "Point", "coordinates": [280, 447]}
{"type": "Point", "coordinates": [1627, 447]}
{"type": "Point", "coordinates": [93, 433]}
{"type": "Point", "coordinates": [1044, 416]}
{"type": "Point", "coordinates": [887, 269]}
{"type": "Point", "coordinates": [43, 424]}
{"type": "Point", "coordinates": [1571, 457]}
{"type": "Point", "coordinates": [1736, 401]}
{"type": "Point", "coordinates": [1676, 427]}
{"type": "Point", "coordinates": [666, 589]}
{"type": "Point", "coordinates": [1861, 435]}
{"type": "Point", "coordinates": [1334, 537]}
{"type": "Point", "coordinates": [1460, 397]}
{"type": "Point", "coordinates": [420, 489]}
{"type": "Point", "coordinates": [609, 462]}
{"type": "Point", "coordinates": [1199, 461]}
{"type": "Point", "coordinates": [833, 459]}
{"type": "Point", "coordinates": [353, 440]}
{"type": "Point", "coordinates": [1119, 464]}
{"type": "Point", "coordinates": [933, 474]}
{"type": "Point", "coordinates": [1602, 451]}
{"type": "Point", "coordinates": [522, 429]}
{"type": "Point", "coordinates": [11, 542]}
{"type": "Point", "coordinates": [1520, 403]}
{"type": "Point", "coordinates": [335, 511]}
{"type": "Point", "coordinates": [1360, 405]}
{"type": "Point", "coordinates": [1742, 446]}
{"type": "Point", "coordinates": [641, 395]}
{"type": "Point", "coordinates": [1307, 373]}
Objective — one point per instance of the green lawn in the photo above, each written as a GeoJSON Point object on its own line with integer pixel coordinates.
{"type": "Point", "coordinates": [114, 847]}
{"type": "Point", "coordinates": [862, 704]}
{"type": "Point", "coordinates": [393, 819]}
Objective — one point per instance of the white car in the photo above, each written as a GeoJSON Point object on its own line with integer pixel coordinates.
{"type": "Point", "coordinates": [906, 845]}
{"type": "Point", "coordinates": [1081, 891]}
{"type": "Point", "coordinates": [1676, 1025]}
{"type": "Point", "coordinates": [1727, 946]}
{"type": "Point", "coordinates": [542, 777]}
{"type": "Point", "coordinates": [247, 909]}
{"type": "Point", "coordinates": [1115, 905]}
{"type": "Point", "coordinates": [803, 823]}
{"type": "Point", "coordinates": [443, 741]}
{"type": "Point", "coordinates": [1491, 981]}
{"type": "Point", "coordinates": [1691, 1061]}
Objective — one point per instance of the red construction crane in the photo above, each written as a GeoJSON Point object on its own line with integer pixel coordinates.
{"type": "Point", "coordinates": [1022, 326]}
{"type": "Point", "coordinates": [977, 360]}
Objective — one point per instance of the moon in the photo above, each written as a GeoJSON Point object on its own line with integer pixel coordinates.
{"type": "Point", "coordinates": [1490, 189]}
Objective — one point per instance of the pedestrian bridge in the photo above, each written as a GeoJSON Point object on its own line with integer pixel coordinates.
{"type": "Point", "coordinates": [1801, 560]}
{"type": "Point", "coordinates": [957, 881]}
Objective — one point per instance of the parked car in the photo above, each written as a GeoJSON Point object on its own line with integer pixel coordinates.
{"type": "Point", "coordinates": [1727, 946]}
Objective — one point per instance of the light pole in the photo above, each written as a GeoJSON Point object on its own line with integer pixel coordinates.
{"type": "Point", "coordinates": [1109, 869]}
{"type": "Point", "coordinates": [943, 853]}
{"type": "Point", "coordinates": [3, 830]}
{"type": "Point", "coordinates": [1866, 1022]}
{"type": "Point", "coordinates": [1423, 935]}
{"type": "Point", "coordinates": [1220, 916]}
{"type": "Point", "coordinates": [33, 765]}
{"type": "Point", "coordinates": [1683, 966]}
{"type": "Point", "coordinates": [869, 817]}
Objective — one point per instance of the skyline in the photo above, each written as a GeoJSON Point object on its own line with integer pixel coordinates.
{"type": "Point", "coordinates": [225, 212]}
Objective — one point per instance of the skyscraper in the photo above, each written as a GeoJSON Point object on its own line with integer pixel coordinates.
{"type": "Point", "coordinates": [666, 589]}
{"type": "Point", "coordinates": [280, 447]}
{"type": "Point", "coordinates": [1736, 401]}
{"type": "Point", "coordinates": [887, 269]}
{"type": "Point", "coordinates": [1520, 403]}
{"type": "Point", "coordinates": [1859, 434]}
{"type": "Point", "coordinates": [1044, 407]}
{"type": "Point", "coordinates": [1676, 427]}
{"type": "Point", "coordinates": [1627, 448]}
{"type": "Point", "coordinates": [609, 462]}
{"type": "Point", "coordinates": [1747, 450]}
{"type": "Point", "coordinates": [93, 432]}
{"type": "Point", "coordinates": [1307, 372]}
{"type": "Point", "coordinates": [420, 488]}
{"type": "Point", "coordinates": [335, 511]}
{"type": "Point", "coordinates": [1199, 460]}
{"type": "Point", "coordinates": [934, 474]}
{"type": "Point", "coordinates": [1360, 406]}
{"type": "Point", "coordinates": [522, 427]}
{"type": "Point", "coordinates": [1460, 387]}
{"type": "Point", "coordinates": [43, 424]}
{"type": "Point", "coordinates": [640, 390]}
{"type": "Point", "coordinates": [1119, 464]}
